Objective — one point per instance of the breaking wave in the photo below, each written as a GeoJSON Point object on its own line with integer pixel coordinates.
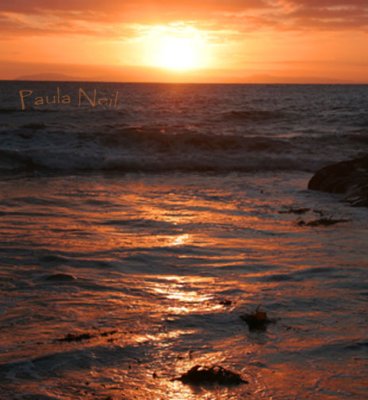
{"type": "Point", "coordinates": [149, 149]}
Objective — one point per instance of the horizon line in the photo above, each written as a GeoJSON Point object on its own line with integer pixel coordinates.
{"type": "Point", "coordinates": [187, 83]}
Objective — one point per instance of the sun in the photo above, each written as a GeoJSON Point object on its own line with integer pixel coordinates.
{"type": "Point", "coordinates": [178, 53]}
{"type": "Point", "coordinates": [176, 48]}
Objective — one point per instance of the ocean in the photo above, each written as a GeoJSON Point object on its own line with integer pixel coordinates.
{"type": "Point", "coordinates": [138, 222]}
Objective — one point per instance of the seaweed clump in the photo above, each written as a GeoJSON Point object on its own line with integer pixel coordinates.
{"type": "Point", "coordinates": [199, 375]}
{"type": "Point", "coordinates": [75, 337]}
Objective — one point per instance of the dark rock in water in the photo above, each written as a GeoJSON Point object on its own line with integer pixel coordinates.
{"type": "Point", "coordinates": [61, 278]}
{"type": "Point", "coordinates": [292, 210]}
{"type": "Point", "coordinates": [347, 177]}
{"type": "Point", "coordinates": [199, 375]}
{"type": "Point", "coordinates": [78, 337]}
{"type": "Point", "coordinates": [71, 337]}
{"type": "Point", "coordinates": [257, 321]}
{"type": "Point", "coordinates": [322, 222]}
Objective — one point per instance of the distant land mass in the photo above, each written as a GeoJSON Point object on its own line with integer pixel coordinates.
{"type": "Point", "coordinates": [78, 73]}
{"type": "Point", "coordinates": [48, 77]}
{"type": "Point", "coordinates": [272, 79]}
{"type": "Point", "coordinates": [132, 73]}
{"type": "Point", "coordinates": [252, 79]}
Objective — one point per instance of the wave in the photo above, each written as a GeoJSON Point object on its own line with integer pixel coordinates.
{"type": "Point", "coordinates": [36, 146]}
{"type": "Point", "coordinates": [186, 140]}
{"type": "Point", "coordinates": [147, 150]}
{"type": "Point", "coordinates": [153, 162]}
{"type": "Point", "coordinates": [252, 115]}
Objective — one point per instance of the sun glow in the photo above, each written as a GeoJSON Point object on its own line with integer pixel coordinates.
{"type": "Point", "coordinates": [176, 48]}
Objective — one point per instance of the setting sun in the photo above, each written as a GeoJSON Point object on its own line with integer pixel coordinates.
{"type": "Point", "coordinates": [176, 48]}
{"type": "Point", "coordinates": [178, 53]}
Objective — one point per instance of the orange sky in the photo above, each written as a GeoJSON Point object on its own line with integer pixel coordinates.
{"type": "Point", "coordinates": [189, 41]}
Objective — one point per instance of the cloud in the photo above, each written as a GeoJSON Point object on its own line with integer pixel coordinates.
{"type": "Point", "coordinates": [114, 9]}
{"type": "Point", "coordinates": [326, 14]}
{"type": "Point", "coordinates": [111, 18]}
{"type": "Point", "coordinates": [115, 18]}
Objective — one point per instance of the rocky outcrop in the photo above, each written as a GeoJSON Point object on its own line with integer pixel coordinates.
{"type": "Point", "coordinates": [200, 375]}
{"type": "Point", "coordinates": [349, 178]}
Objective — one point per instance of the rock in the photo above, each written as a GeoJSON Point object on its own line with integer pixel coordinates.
{"type": "Point", "coordinates": [71, 337]}
{"type": "Point", "coordinates": [199, 375]}
{"type": "Point", "coordinates": [349, 178]}
{"type": "Point", "coordinates": [61, 277]}
{"type": "Point", "coordinates": [322, 222]}
{"type": "Point", "coordinates": [257, 321]}
{"type": "Point", "coordinates": [292, 210]}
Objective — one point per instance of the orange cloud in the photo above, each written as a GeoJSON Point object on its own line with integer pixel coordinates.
{"type": "Point", "coordinates": [93, 17]}
{"type": "Point", "coordinates": [321, 36]}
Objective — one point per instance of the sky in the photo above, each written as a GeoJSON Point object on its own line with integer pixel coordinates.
{"type": "Point", "coordinates": [306, 41]}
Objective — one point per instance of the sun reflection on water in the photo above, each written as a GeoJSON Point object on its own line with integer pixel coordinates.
{"type": "Point", "coordinates": [180, 240]}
